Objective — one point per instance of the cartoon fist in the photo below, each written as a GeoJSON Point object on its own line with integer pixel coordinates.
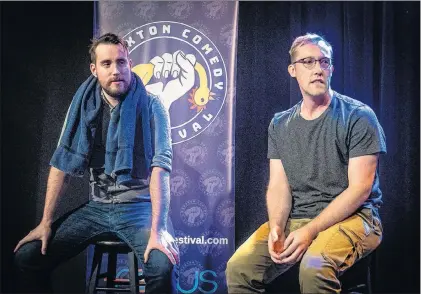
{"type": "Point", "coordinates": [180, 69]}
{"type": "Point", "coordinates": [212, 183]}
{"type": "Point", "coordinates": [193, 213]}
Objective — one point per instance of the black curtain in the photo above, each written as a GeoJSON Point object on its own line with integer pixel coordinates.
{"type": "Point", "coordinates": [44, 59]}
{"type": "Point", "coordinates": [376, 59]}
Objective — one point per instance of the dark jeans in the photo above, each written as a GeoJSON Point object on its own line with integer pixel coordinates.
{"type": "Point", "coordinates": [73, 232]}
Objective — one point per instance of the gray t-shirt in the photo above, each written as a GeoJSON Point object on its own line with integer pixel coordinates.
{"type": "Point", "coordinates": [315, 153]}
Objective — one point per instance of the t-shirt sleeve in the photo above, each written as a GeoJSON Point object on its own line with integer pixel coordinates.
{"type": "Point", "coordinates": [273, 152]}
{"type": "Point", "coordinates": [365, 134]}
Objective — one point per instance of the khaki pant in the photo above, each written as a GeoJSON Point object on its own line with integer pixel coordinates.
{"type": "Point", "coordinates": [330, 254]}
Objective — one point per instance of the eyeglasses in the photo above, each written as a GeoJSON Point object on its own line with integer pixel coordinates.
{"type": "Point", "coordinates": [310, 62]}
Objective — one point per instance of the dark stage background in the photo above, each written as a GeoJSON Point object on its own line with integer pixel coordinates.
{"type": "Point", "coordinates": [376, 56]}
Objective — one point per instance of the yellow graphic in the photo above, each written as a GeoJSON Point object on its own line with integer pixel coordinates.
{"type": "Point", "coordinates": [181, 68]}
{"type": "Point", "coordinates": [144, 71]}
{"type": "Point", "coordinates": [199, 97]}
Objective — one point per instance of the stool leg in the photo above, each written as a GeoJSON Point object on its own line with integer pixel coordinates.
{"type": "Point", "coordinates": [111, 268]}
{"type": "Point", "coordinates": [133, 272]}
{"type": "Point", "coordinates": [95, 270]}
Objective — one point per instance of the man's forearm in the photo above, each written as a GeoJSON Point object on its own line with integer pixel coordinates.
{"type": "Point", "coordinates": [56, 186]}
{"type": "Point", "coordinates": [340, 208]}
{"type": "Point", "coordinates": [160, 198]}
{"type": "Point", "coordinates": [279, 206]}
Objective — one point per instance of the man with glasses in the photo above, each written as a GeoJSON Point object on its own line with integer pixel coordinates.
{"type": "Point", "coordinates": [323, 194]}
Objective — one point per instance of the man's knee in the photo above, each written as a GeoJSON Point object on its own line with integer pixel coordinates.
{"type": "Point", "coordinates": [314, 266]}
{"type": "Point", "coordinates": [28, 255]}
{"type": "Point", "coordinates": [235, 265]}
{"type": "Point", "coordinates": [159, 264]}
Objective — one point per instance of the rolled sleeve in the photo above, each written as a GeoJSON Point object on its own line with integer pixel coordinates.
{"type": "Point", "coordinates": [161, 136]}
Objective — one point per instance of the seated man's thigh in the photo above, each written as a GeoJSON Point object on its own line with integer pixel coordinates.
{"type": "Point", "coordinates": [252, 258]}
{"type": "Point", "coordinates": [70, 235]}
{"type": "Point", "coordinates": [345, 243]}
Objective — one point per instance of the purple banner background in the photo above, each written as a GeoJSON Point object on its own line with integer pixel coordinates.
{"type": "Point", "coordinates": [202, 181]}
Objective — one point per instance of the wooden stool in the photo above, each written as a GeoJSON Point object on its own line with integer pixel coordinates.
{"type": "Point", "coordinates": [112, 245]}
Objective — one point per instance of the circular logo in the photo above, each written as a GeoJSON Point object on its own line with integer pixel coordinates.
{"type": "Point", "coordinates": [182, 246]}
{"type": "Point", "coordinates": [214, 9]}
{"type": "Point", "coordinates": [180, 9]}
{"type": "Point", "coordinates": [194, 213]}
{"type": "Point", "coordinates": [124, 28]}
{"type": "Point", "coordinates": [214, 244]}
{"type": "Point", "coordinates": [179, 182]}
{"type": "Point", "coordinates": [225, 213]}
{"type": "Point", "coordinates": [111, 9]}
{"type": "Point", "coordinates": [226, 153]}
{"type": "Point", "coordinates": [189, 272]}
{"type": "Point", "coordinates": [227, 35]}
{"type": "Point", "coordinates": [212, 183]}
{"type": "Point", "coordinates": [194, 153]}
{"type": "Point", "coordinates": [199, 25]}
{"type": "Point", "coordinates": [146, 10]}
{"type": "Point", "coordinates": [184, 68]}
{"type": "Point", "coordinates": [216, 128]}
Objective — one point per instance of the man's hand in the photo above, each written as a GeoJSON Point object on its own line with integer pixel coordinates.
{"type": "Point", "coordinates": [41, 232]}
{"type": "Point", "coordinates": [276, 243]}
{"type": "Point", "coordinates": [163, 241]}
{"type": "Point", "coordinates": [296, 245]}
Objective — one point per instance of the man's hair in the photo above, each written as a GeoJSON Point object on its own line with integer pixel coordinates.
{"type": "Point", "coordinates": [308, 38]}
{"type": "Point", "coordinates": [108, 38]}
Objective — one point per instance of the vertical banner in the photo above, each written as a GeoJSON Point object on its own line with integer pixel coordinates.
{"type": "Point", "coordinates": [185, 53]}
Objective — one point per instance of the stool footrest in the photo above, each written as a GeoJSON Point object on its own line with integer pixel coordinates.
{"type": "Point", "coordinates": [127, 282]}
{"type": "Point", "coordinates": [112, 289]}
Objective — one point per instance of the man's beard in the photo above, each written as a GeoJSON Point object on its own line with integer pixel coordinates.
{"type": "Point", "coordinates": [117, 93]}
